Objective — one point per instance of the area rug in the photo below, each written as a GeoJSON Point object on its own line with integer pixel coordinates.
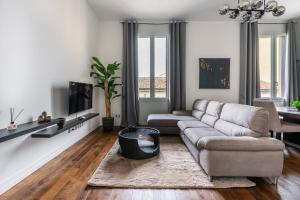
{"type": "Point", "coordinates": [173, 168]}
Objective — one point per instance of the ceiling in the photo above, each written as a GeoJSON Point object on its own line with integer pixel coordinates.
{"type": "Point", "coordinates": [161, 10]}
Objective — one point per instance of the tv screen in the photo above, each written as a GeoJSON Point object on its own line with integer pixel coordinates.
{"type": "Point", "coordinates": [80, 97]}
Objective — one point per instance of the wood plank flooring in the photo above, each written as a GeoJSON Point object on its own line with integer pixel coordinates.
{"type": "Point", "coordinates": [65, 177]}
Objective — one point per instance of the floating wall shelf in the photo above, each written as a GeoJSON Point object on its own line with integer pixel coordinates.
{"type": "Point", "coordinates": [54, 130]}
{"type": "Point", "coordinates": [47, 129]}
{"type": "Point", "coordinates": [24, 129]}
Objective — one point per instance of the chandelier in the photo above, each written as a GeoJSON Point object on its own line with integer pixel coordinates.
{"type": "Point", "coordinates": [251, 10]}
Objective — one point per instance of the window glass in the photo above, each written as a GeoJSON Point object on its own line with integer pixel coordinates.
{"type": "Point", "coordinates": [152, 64]}
{"type": "Point", "coordinates": [280, 65]}
{"type": "Point", "coordinates": [144, 67]}
{"type": "Point", "coordinates": [160, 80]}
{"type": "Point", "coordinates": [265, 66]}
{"type": "Point", "coordinates": [272, 59]}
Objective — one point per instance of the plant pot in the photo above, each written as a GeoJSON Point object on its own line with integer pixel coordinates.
{"type": "Point", "coordinates": [298, 108]}
{"type": "Point", "coordinates": [108, 123]}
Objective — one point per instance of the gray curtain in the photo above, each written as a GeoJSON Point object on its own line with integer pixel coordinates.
{"type": "Point", "coordinates": [177, 94]}
{"type": "Point", "coordinates": [130, 103]}
{"type": "Point", "coordinates": [249, 69]}
{"type": "Point", "coordinates": [294, 88]}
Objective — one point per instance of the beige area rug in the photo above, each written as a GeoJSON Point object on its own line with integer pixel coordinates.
{"type": "Point", "coordinates": [173, 168]}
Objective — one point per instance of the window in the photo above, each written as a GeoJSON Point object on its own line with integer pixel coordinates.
{"type": "Point", "coordinates": [152, 64]}
{"type": "Point", "coordinates": [272, 58]}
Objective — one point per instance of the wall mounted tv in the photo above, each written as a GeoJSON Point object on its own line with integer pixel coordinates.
{"type": "Point", "coordinates": [80, 97]}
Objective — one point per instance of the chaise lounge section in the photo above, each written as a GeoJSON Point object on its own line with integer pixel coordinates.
{"type": "Point", "coordinates": [226, 139]}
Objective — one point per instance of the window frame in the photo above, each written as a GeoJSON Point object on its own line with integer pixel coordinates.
{"type": "Point", "coordinates": [152, 67]}
{"type": "Point", "coordinates": [273, 80]}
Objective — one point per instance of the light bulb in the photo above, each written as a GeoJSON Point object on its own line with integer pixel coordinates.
{"type": "Point", "coordinates": [233, 14]}
{"type": "Point", "coordinates": [244, 5]}
{"type": "Point", "coordinates": [271, 5]}
{"type": "Point", "coordinates": [280, 10]}
{"type": "Point", "coordinates": [246, 16]}
{"type": "Point", "coordinates": [224, 9]}
{"type": "Point", "coordinates": [258, 15]}
{"type": "Point", "coordinates": [256, 4]}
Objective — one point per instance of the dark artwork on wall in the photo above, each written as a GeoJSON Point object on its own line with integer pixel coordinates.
{"type": "Point", "coordinates": [214, 73]}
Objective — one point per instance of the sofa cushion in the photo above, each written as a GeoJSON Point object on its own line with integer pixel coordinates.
{"type": "Point", "coordinates": [199, 108]}
{"type": "Point", "coordinates": [197, 114]}
{"type": "Point", "coordinates": [250, 117]}
{"type": "Point", "coordinates": [195, 134]}
{"type": "Point", "coordinates": [169, 120]}
{"type": "Point", "coordinates": [182, 112]}
{"type": "Point", "coordinates": [225, 143]}
{"type": "Point", "coordinates": [191, 124]}
{"type": "Point", "coordinates": [200, 104]}
{"type": "Point", "coordinates": [212, 113]}
{"type": "Point", "coordinates": [231, 129]}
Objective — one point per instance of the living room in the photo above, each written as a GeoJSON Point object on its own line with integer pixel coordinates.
{"type": "Point", "coordinates": [139, 99]}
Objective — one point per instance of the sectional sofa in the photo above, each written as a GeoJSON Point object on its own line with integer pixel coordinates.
{"type": "Point", "coordinates": [226, 139]}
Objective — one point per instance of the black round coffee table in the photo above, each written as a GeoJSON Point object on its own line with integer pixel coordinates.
{"type": "Point", "coordinates": [139, 143]}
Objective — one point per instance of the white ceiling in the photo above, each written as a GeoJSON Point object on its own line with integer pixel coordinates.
{"type": "Point", "coordinates": [161, 10]}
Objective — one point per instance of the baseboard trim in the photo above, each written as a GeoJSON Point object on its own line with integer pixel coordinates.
{"type": "Point", "coordinates": [13, 180]}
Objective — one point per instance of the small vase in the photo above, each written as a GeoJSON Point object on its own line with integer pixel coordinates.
{"type": "Point", "coordinates": [12, 126]}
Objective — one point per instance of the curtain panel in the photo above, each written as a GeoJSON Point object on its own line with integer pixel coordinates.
{"type": "Point", "coordinates": [177, 93]}
{"type": "Point", "coordinates": [293, 71]}
{"type": "Point", "coordinates": [249, 63]}
{"type": "Point", "coordinates": [130, 102]}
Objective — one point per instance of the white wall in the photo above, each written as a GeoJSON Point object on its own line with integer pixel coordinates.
{"type": "Point", "coordinates": [212, 40]}
{"type": "Point", "coordinates": [271, 29]}
{"type": "Point", "coordinates": [43, 45]}
{"type": "Point", "coordinates": [110, 43]}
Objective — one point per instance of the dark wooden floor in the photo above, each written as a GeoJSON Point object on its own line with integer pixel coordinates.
{"type": "Point", "coordinates": [65, 177]}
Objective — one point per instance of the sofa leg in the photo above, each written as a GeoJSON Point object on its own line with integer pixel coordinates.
{"type": "Point", "coordinates": [274, 180]}
{"type": "Point", "coordinates": [210, 178]}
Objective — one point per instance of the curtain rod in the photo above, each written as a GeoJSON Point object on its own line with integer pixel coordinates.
{"type": "Point", "coordinates": [277, 23]}
{"type": "Point", "coordinates": [154, 23]}
{"type": "Point", "coordinates": [273, 23]}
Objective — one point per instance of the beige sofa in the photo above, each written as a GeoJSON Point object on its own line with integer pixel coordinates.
{"type": "Point", "coordinates": [226, 139]}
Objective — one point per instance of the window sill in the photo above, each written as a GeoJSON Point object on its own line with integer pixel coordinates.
{"type": "Point", "coordinates": [273, 99]}
{"type": "Point", "coordinates": [153, 100]}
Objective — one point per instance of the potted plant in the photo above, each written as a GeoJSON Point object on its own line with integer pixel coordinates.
{"type": "Point", "coordinates": [107, 81]}
{"type": "Point", "coordinates": [296, 104]}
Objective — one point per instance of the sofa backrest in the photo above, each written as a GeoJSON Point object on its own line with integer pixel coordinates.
{"type": "Point", "coordinates": [243, 120]}
{"type": "Point", "coordinates": [199, 108]}
{"type": "Point", "coordinates": [212, 113]}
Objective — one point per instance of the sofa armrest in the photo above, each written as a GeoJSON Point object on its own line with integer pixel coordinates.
{"type": "Point", "coordinates": [243, 143]}
{"type": "Point", "coordinates": [182, 112]}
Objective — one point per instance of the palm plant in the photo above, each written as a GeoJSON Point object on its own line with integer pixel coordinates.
{"type": "Point", "coordinates": [106, 80]}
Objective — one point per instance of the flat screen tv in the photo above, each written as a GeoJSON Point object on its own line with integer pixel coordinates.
{"type": "Point", "coordinates": [80, 97]}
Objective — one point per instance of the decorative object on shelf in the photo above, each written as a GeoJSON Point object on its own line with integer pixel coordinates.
{"type": "Point", "coordinates": [12, 125]}
{"type": "Point", "coordinates": [251, 10]}
{"type": "Point", "coordinates": [44, 118]}
{"type": "Point", "coordinates": [296, 104]}
{"type": "Point", "coordinates": [106, 80]}
{"type": "Point", "coordinates": [61, 122]}
{"type": "Point", "coordinates": [214, 73]}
